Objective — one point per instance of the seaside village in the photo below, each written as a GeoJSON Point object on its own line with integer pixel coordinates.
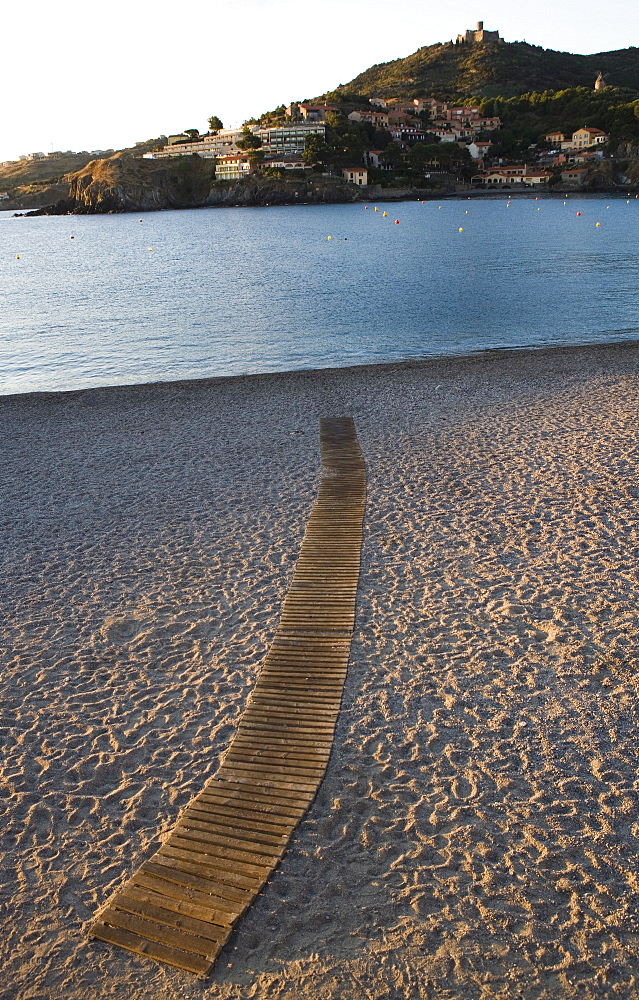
{"type": "Point", "coordinates": [287, 141]}
{"type": "Point", "coordinates": [292, 140]}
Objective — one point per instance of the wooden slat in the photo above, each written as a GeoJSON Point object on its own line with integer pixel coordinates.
{"type": "Point", "coordinates": [180, 905]}
{"type": "Point", "coordinates": [151, 949]}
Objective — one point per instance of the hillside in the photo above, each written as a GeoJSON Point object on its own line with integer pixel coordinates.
{"type": "Point", "coordinates": [492, 69]}
{"type": "Point", "coordinates": [33, 183]}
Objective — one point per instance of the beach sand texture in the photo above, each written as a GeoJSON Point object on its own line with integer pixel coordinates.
{"type": "Point", "coordinates": [476, 834]}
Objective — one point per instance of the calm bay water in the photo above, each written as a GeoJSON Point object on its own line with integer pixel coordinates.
{"type": "Point", "coordinates": [235, 291]}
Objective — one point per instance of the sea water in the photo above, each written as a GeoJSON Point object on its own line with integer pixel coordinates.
{"type": "Point", "coordinates": [120, 299]}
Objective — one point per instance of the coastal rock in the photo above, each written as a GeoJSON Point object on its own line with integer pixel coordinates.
{"type": "Point", "coordinates": [124, 183]}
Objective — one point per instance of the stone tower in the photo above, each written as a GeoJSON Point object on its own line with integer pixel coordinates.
{"type": "Point", "coordinates": [478, 35]}
{"type": "Point", "coordinates": [599, 82]}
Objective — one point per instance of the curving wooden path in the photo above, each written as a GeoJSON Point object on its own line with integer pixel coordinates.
{"type": "Point", "coordinates": [181, 905]}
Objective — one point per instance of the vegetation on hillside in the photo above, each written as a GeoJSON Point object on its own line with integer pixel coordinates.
{"type": "Point", "coordinates": [526, 120]}
{"type": "Point", "coordinates": [490, 69]}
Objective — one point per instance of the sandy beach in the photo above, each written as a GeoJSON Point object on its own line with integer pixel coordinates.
{"type": "Point", "coordinates": [477, 832]}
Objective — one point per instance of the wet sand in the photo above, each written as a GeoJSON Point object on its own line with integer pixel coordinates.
{"type": "Point", "coordinates": [476, 835]}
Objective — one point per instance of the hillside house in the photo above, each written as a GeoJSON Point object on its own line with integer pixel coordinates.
{"type": "Point", "coordinates": [289, 139]}
{"type": "Point", "coordinates": [377, 118]}
{"type": "Point", "coordinates": [287, 163]}
{"type": "Point", "coordinates": [576, 176]}
{"type": "Point", "coordinates": [310, 112]}
{"type": "Point", "coordinates": [4, 196]}
{"type": "Point", "coordinates": [585, 137]}
{"type": "Point", "coordinates": [232, 167]}
{"type": "Point", "coordinates": [478, 150]}
{"type": "Point", "coordinates": [462, 114]}
{"type": "Point", "coordinates": [356, 175]}
{"type": "Point", "coordinates": [512, 175]}
{"type": "Point", "coordinates": [407, 134]}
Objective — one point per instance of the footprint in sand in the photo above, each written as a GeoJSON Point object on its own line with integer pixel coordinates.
{"type": "Point", "coordinates": [117, 631]}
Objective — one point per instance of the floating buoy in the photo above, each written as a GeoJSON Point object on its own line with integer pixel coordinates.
{"type": "Point", "coordinates": [564, 203]}
{"type": "Point", "coordinates": [597, 223]}
{"type": "Point", "coordinates": [71, 237]}
{"type": "Point", "coordinates": [439, 206]}
{"type": "Point", "coordinates": [578, 213]}
{"type": "Point", "coordinates": [460, 230]}
{"type": "Point", "coordinates": [150, 248]}
{"type": "Point", "coordinates": [539, 210]}
{"type": "Point", "coordinates": [423, 203]}
{"type": "Point", "coordinates": [329, 237]}
{"type": "Point", "coordinates": [376, 208]}
{"type": "Point", "coordinates": [396, 222]}
{"type": "Point", "coordinates": [366, 208]}
{"type": "Point", "coordinates": [627, 203]}
{"type": "Point", "coordinates": [466, 212]}
{"type": "Point", "coordinates": [384, 215]}
{"type": "Point", "coordinates": [17, 256]}
{"type": "Point", "coordinates": [140, 220]}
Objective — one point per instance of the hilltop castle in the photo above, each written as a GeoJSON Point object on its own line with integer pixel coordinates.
{"type": "Point", "coordinates": [479, 35]}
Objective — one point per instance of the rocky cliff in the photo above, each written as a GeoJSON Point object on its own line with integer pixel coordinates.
{"type": "Point", "coordinates": [124, 183]}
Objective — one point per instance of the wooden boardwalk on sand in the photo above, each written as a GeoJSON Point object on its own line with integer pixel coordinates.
{"type": "Point", "coordinates": [181, 905]}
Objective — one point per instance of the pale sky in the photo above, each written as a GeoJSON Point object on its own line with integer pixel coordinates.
{"type": "Point", "coordinates": [108, 75]}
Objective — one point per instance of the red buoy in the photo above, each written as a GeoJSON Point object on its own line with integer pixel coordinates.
{"type": "Point", "coordinates": [396, 222]}
{"type": "Point", "coordinates": [578, 213]}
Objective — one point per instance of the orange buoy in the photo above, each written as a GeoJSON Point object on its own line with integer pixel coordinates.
{"type": "Point", "coordinates": [578, 213]}
{"type": "Point", "coordinates": [396, 222]}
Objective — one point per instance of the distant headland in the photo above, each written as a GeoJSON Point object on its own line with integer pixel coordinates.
{"type": "Point", "coordinates": [475, 112]}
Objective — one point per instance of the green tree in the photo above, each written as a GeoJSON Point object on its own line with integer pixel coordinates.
{"type": "Point", "coordinates": [314, 149]}
{"type": "Point", "coordinates": [392, 155]}
{"type": "Point", "coordinates": [215, 123]}
{"type": "Point", "coordinates": [255, 157]}
{"type": "Point", "coordinates": [249, 140]}
{"type": "Point", "coordinates": [192, 132]}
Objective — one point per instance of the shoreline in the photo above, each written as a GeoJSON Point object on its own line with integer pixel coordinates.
{"type": "Point", "coordinates": [475, 835]}
{"type": "Point", "coordinates": [306, 194]}
{"type": "Point", "coordinates": [408, 363]}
